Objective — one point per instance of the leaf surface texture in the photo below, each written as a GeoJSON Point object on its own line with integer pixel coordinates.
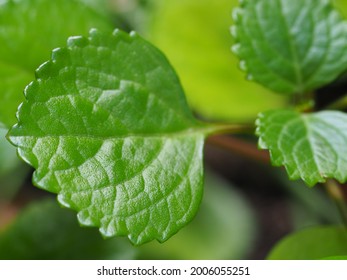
{"type": "Point", "coordinates": [107, 127]}
{"type": "Point", "coordinates": [311, 146]}
{"type": "Point", "coordinates": [292, 46]}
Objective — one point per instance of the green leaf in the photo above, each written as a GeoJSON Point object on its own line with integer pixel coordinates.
{"type": "Point", "coordinates": [43, 231]}
{"type": "Point", "coordinates": [107, 126]}
{"type": "Point", "coordinates": [290, 46]}
{"type": "Point", "coordinates": [311, 146]}
{"type": "Point", "coordinates": [30, 29]}
{"type": "Point", "coordinates": [311, 243]}
{"type": "Point", "coordinates": [199, 49]}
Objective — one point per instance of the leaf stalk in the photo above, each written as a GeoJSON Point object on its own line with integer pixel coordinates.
{"type": "Point", "coordinates": [221, 128]}
{"type": "Point", "coordinates": [240, 147]}
{"type": "Point", "coordinates": [334, 191]}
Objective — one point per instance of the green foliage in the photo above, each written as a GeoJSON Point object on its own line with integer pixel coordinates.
{"type": "Point", "coordinates": [199, 48]}
{"type": "Point", "coordinates": [30, 29]}
{"type": "Point", "coordinates": [303, 143]}
{"type": "Point", "coordinates": [312, 243]}
{"type": "Point", "coordinates": [45, 231]}
{"type": "Point", "coordinates": [108, 129]}
{"type": "Point", "coordinates": [306, 50]}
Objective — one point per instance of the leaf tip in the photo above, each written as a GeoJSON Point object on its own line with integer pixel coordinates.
{"type": "Point", "coordinates": [237, 14]}
{"type": "Point", "coordinates": [123, 35]}
{"type": "Point", "coordinates": [44, 71]}
{"type": "Point", "coordinates": [62, 201]}
{"type": "Point", "coordinates": [94, 32]}
{"type": "Point", "coordinates": [310, 182]}
{"type": "Point", "coordinates": [249, 77]}
{"type": "Point", "coordinates": [11, 138]}
{"type": "Point", "coordinates": [84, 219]}
{"type": "Point", "coordinates": [236, 49]}
{"type": "Point", "coordinates": [60, 54]}
{"type": "Point", "coordinates": [243, 66]}
{"type": "Point", "coordinates": [30, 88]}
{"type": "Point", "coordinates": [258, 127]}
{"type": "Point", "coordinates": [78, 41]}
{"type": "Point", "coordinates": [106, 233]}
{"type": "Point", "coordinates": [116, 32]}
{"type": "Point", "coordinates": [133, 33]}
{"type": "Point", "coordinates": [233, 31]}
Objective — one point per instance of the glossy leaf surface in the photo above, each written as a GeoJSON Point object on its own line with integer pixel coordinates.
{"type": "Point", "coordinates": [107, 127]}
{"type": "Point", "coordinates": [311, 146]}
{"type": "Point", "coordinates": [292, 46]}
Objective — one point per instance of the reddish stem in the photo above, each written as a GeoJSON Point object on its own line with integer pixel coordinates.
{"type": "Point", "coordinates": [239, 147]}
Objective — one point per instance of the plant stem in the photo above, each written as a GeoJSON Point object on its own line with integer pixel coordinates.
{"type": "Point", "coordinates": [239, 147]}
{"type": "Point", "coordinates": [222, 128]}
{"type": "Point", "coordinates": [334, 191]}
{"type": "Point", "coordinates": [339, 104]}
{"type": "Point", "coordinates": [304, 102]}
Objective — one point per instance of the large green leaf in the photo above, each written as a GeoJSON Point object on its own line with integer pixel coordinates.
{"type": "Point", "coordinates": [45, 231]}
{"type": "Point", "coordinates": [195, 36]}
{"type": "Point", "coordinates": [311, 146]}
{"type": "Point", "coordinates": [311, 243]}
{"type": "Point", "coordinates": [30, 29]}
{"type": "Point", "coordinates": [107, 126]}
{"type": "Point", "coordinates": [291, 46]}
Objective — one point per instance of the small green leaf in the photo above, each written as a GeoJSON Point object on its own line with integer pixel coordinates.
{"type": "Point", "coordinates": [312, 243]}
{"type": "Point", "coordinates": [30, 29]}
{"type": "Point", "coordinates": [290, 46]}
{"type": "Point", "coordinates": [311, 146]}
{"type": "Point", "coordinates": [107, 126]}
{"type": "Point", "coordinates": [45, 231]}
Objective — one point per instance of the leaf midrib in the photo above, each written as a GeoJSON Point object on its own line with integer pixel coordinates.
{"type": "Point", "coordinates": [197, 131]}
{"type": "Point", "coordinates": [295, 60]}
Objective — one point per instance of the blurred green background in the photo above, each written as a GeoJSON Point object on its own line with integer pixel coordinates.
{"type": "Point", "coordinates": [247, 207]}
